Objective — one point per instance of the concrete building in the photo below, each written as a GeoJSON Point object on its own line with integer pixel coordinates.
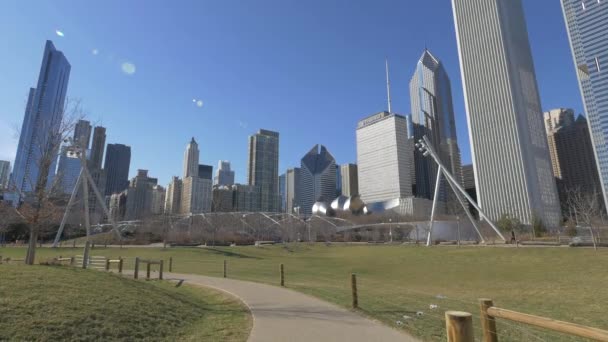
{"type": "Point", "coordinates": [97, 147]}
{"type": "Point", "coordinates": [433, 116]}
{"type": "Point", "coordinates": [509, 149]}
{"type": "Point", "coordinates": [41, 124]}
{"type": "Point", "coordinates": [173, 198]}
{"type": "Point", "coordinates": [205, 171]}
{"type": "Point", "coordinates": [384, 157]}
{"type": "Point", "coordinates": [191, 159]}
{"type": "Point", "coordinates": [587, 23]}
{"type": "Point", "coordinates": [338, 181]}
{"type": "Point", "coordinates": [263, 168]}
{"type": "Point", "coordinates": [116, 165]}
{"type": "Point", "coordinates": [283, 192]}
{"type": "Point", "coordinates": [571, 151]}
{"type": "Point", "coordinates": [5, 172]}
{"type": "Point", "coordinates": [292, 189]}
{"type": "Point", "coordinates": [349, 179]}
{"type": "Point", "coordinates": [222, 199]}
{"type": "Point", "coordinates": [224, 175]}
{"type": "Point", "coordinates": [317, 178]}
{"type": "Point", "coordinates": [158, 200]}
{"type": "Point", "coordinates": [139, 196]}
{"type": "Point", "coordinates": [118, 206]}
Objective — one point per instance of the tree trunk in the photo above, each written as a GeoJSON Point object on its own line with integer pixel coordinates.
{"type": "Point", "coordinates": [31, 247]}
{"type": "Point", "coordinates": [592, 237]}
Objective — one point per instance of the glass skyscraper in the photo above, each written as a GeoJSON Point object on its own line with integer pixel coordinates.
{"type": "Point", "coordinates": [116, 165]}
{"type": "Point", "coordinates": [263, 168]}
{"type": "Point", "coordinates": [317, 178]}
{"type": "Point", "coordinates": [41, 123]}
{"type": "Point", "coordinates": [433, 116]}
{"type": "Point", "coordinates": [587, 24]}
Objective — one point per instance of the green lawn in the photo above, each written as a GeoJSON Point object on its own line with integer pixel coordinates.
{"type": "Point", "coordinates": [561, 283]}
{"type": "Point", "coordinates": [51, 303]}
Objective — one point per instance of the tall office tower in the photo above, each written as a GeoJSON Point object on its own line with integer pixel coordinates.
{"type": "Point", "coordinates": [384, 157]}
{"type": "Point", "coordinates": [586, 21]}
{"type": "Point", "coordinates": [292, 190]}
{"type": "Point", "coordinates": [5, 171]}
{"type": "Point", "coordinates": [222, 199]}
{"type": "Point", "coordinates": [508, 143]}
{"type": "Point", "coordinates": [246, 197]}
{"type": "Point", "coordinates": [118, 206]}
{"type": "Point", "coordinates": [224, 175]}
{"type": "Point", "coordinates": [338, 182]}
{"type": "Point", "coordinates": [41, 123]}
{"type": "Point", "coordinates": [572, 156]}
{"type": "Point", "coordinates": [263, 168]}
{"type": "Point", "coordinates": [433, 116]}
{"type": "Point", "coordinates": [82, 133]}
{"type": "Point", "coordinates": [139, 196]}
{"type": "Point", "coordinates": [97, 147]}
{"type": "Point", "coordinates": [116, 166]}
{"type": "Point", "coordinates": [158, 200]}
{"type": "Point", "coordinates": [196, 195]}
{"type": "Point", "coordinates": [191, 159]}
{"type": "Point", "coordinates": [283, 192]}
{"type": "Point", "coordinates": [205, 171]}
{"type": "Point", "coordinates": [68, 169]}
{"type": "Point", "coordinates": [349, 177]}
{"type": "Point", "coordinates": [173, 198]}
{"type": "Point", "coordinates": [317, 178]}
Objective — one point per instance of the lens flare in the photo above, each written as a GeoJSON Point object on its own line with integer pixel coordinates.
{"type": "Point", "coordinates": [128, 68]}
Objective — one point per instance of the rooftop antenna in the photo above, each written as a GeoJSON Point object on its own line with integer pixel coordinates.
{"type": "Point", "coordinates": [388, 86]}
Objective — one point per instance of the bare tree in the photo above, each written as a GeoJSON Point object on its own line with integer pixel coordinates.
{"type": "Point", "coordinates": [586, 207]}
{"type": "Point", "coordinates": [41, 208]}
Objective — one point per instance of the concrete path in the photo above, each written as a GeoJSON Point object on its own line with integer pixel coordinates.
{"type": "Point", "coordinates": [280, 314]}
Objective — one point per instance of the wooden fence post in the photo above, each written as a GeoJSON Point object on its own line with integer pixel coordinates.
{"type": "Point", "coordinates": [225, 273]}
{"type": "Point", "coordinates": [71, 261]}
{"type": "Point", "coordinates": [136, 271]}
{"type": "Point", "coordinates": [353, 285]}
{"type": "Point", "coordinates": [488, 323]}
{"type": "Point", "coordinates": [74, 243]}
{"type": "Point", "coordinates": [148, 270]}
{"type": "Point", "coordinates": [160, 271]}
{"type": "Point", "coordinates": [85, 257]}
{"type": "Point", "coordinates": [107, 264]}
{"type": "Point", "coordinates": [459, 326]}
{"type": "Point", "coordinates": [120, 265]}
{"type": "Point", "coordinates": [170, 264]}
{"type": "Point", "coordinates": [282, 275]}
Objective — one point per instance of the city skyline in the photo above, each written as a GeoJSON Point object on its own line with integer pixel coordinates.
{"type": "Point", "coordinates": [367, 91]}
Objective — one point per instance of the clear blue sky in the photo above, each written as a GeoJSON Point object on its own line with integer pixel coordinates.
{"type": "Point", "coordinates": [308, 69]}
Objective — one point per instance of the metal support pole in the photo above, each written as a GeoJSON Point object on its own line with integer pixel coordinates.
{"type": "Point", "coordinates": [67, 210]}
{"type": "Point", "coordinates": [466, 210]}
{"type": "Point", "coordinates": [102, 202]}
{"type": "Point", "coordinates": [435, 200]}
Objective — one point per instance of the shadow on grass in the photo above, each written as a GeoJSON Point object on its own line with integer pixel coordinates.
{"type": "Point", "coordinates": [230, 254]}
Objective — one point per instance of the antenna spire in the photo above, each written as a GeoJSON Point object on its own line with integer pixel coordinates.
{"type": "Point", "coordinates": [388, 86]}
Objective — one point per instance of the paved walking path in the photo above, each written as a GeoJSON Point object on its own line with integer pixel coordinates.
{"type": "Point", "coordinates": [281, 314]}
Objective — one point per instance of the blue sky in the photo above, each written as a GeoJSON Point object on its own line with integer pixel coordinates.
{"type": "Point", "coordinates": [308, 69]}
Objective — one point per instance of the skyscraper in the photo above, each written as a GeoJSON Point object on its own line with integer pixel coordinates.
{"type": "Point", "coordinates": [508, 142]}
{"type": "Point", "coordinates": [338, 181]}
{"type": "Point", "coordinates": [116, 165]}
{"type": "Point", "coordinates": [433, 116]}
{"type": "Point", "coordinates": [349, 177]}
{"type": "Point", "coordinates": [5, 171]}
{"type": "Point", "coordinates": [139, 196]}
{"type": "Point", "coordinates": [82, 133]}
{"type": "Point", "coordinates": [173, 198]}
{"type": "Point", "coordinates": [292, 189]}
{"type": "Point", "coordinates": [224, 175]}
{"type": "Point", "coordinates": [205, 171]}
{"type": "Point", "coordinates": [41, 123]}
{"type": "Point", "coordinates": [283, 192]}
{"type": "Point", "coordinates": [97, 147]}
{"type": "Point", "coordinates": [586, 22]}
{"type": "Point", "coordinates": [317, 178]}
{"type": "Point", "coordinates": [384, 157]}
{"type": "Point", "coordinates": [68, 169]}
{"type": "Point", "coordinates": [191, 159]}
{"type": "Point", "coordinates": [263, 168]}
{"type": "Point", "coordinates": [572, 156]}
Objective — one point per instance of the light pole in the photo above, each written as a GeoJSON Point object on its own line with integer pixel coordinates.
{"type": "Point", "coordinates": [390, 229]}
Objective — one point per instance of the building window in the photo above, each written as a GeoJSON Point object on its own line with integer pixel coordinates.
{"type": "Point", "coordinates": [583, 4]}
{"type": "Point", "coordinates": [597, 64]}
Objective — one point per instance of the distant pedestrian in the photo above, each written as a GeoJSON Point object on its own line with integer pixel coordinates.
{"type": "Point", "coordinates": [513, 240]}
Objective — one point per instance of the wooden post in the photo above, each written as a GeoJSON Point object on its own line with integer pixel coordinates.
{"type": "Point", "coordinates": [459, 326]}
{"type": "Point", "coordinates": [120, 265]}
{"type": "Point", "coordinates": [85, 257]}
{"type": "Point", "coordinates": [160, 271]}
{"type": "Point", "coordinates": [170, 264]}
{"type": "Point", "coordinates": [72, 261]}
{"type": "Point", "coordinates": [136, 271]}
{"type": "Point", "coordinates": [107, 264]}
{"type": "Point", "coordinates": [225, 262]}
{"type": "Point", "coordinates": [488, 323]}
{"type": "Point", "coordinates": [282, 275]}
{"type": "Point", "coordinates": [353, 285]}
{"type": "Point", "coordinates": [148, 270]}
{"type": "Point", "coordinates": [74, 243]}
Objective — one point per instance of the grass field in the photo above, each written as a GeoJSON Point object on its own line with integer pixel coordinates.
{"type": "Point", "coordinates": [561, 283]}
{"type": "Point", "coordinates": [45, 303]}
